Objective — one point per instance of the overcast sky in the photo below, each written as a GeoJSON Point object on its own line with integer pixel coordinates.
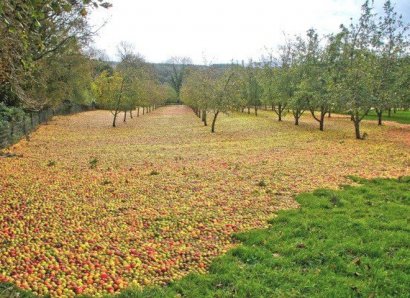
{"type": "Point", "coordinates": [220, 30]}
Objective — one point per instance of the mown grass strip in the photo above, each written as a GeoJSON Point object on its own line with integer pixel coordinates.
{"type": "Point", "coordinates": [402, 117]}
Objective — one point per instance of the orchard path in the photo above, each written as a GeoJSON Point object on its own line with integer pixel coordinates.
{"type": "Point", "coordinates": [165, 194]}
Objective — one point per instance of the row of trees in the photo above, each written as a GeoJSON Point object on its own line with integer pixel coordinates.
{"type": "Point", "coordinates": [45, 61]}
{"type": "Point", "coordinates": [210, 89]}
{"type": "Point", "coordinates": [364, 66]}
{"type": "Point", "coordinates": [131, 85]}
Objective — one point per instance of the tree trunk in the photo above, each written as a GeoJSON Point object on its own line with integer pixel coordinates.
{"type": "Point", "coordinates": [131, 114]}
{"type": "Point", "coordinates": [24, 126]}
{"type": "Point", "coordinates": [280, 112]}
{"type": "Point", "coordinates": [117, 108]}
{"type": "Point", "coordinates": [296, 114]}
{"type": "Point", "coordinates": [379, 116]}
{"type": "Point", "coordinates": [322, 119]}
{"type": "Point", "coordinates": [204, 117]}
{"type": "Point", "coordinates": [356, 121]}
{"type": "Point", "coordinates": [214, 121]}
{"type": "Point", "coordinates": [125, 116]}
{"type": "Point", "coordinates": [357, 129]}
{"type": "Point", "coordinates": [329, 114]}
{"type": "Point", "coordinates": [256, 111]}
{"type": "Point", "coordinates": [389, 112]}
{"type": "Point", "coordinates": [115, 118]}
{"type": "Point", "coordinates": [138, 111]}
{"type": "Point", "coordinates": [249, 110]}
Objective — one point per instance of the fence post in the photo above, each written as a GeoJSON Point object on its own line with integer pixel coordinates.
{"type": "Point", "coordinates": [24, 125]}
{"type": "Point", "coordinates": [14, 130]}
{"type": "Point", "coordinates": [11, 128]}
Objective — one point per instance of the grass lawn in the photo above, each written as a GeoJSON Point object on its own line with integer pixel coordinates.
{"type": "Point", "coordinates": [400, 116]}
{"type": "Point", "coordinates": [354, 242]}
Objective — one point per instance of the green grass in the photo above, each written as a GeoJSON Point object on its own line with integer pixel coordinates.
{"type": "Point", "coordinates": [400, 116]}
{"type": "Point", "coordinates": [8, 290]}
{"type": "Point", "coordinates": [353, 242]}
{"type": "Point", "coordinates": [348, 243]}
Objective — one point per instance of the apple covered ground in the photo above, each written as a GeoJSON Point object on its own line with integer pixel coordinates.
{"type": "Point", "coordinates": [91, 209]}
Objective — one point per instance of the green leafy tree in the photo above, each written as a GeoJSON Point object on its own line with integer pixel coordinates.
{"type": "Point", "coordinates": [211, 89]}
{"type": "Point", "coordinates": [196, 91]}
{"type": "Point", "coordinates": [66, 77]}
{"type": "Point", "coordinates": [252, 86]}
{"type": "Point", "coordinates": [390, 44]}
{"type": "Point", "coordinates": [109, 91]}
{"type": "Point", "coordinates": [268, 80]}
{"type": "Point", "coordinates": [224, 93]}
{"type": "Point", "coordinates": [355, 87]}
{"type": "Point", "coordinates": [33, 31]}
{"type": "Point", "coordinates": [316, 79]}
{"type": "Point", "coordinates": [177, 73]}
{"type": "Point", "coordinates": [402, 82]}
{"type": "Point", "coordinates": [284, 80]}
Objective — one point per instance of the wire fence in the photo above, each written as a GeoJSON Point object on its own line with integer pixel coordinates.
{"type": "Point", "coordinates": [11, 131]}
